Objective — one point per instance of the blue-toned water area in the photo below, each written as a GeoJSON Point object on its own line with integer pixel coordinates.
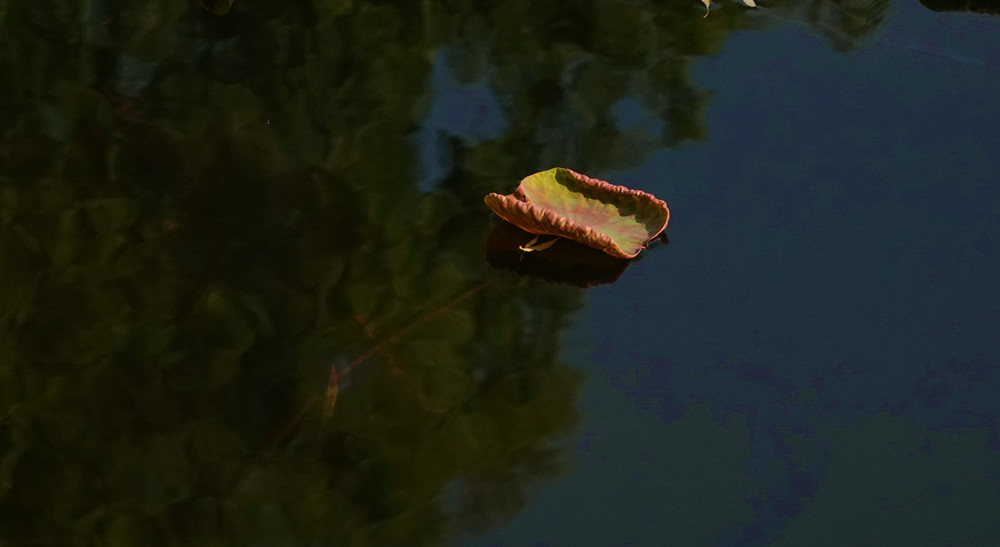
{"type": "Point", "coordinates": [251, 294]}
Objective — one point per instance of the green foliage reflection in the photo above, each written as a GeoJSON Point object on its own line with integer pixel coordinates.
{"type": "Point", "coordinates": [200, 214]}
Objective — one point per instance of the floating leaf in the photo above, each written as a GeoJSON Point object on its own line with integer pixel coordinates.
{"type": "Point", "coordinates": [707, 4]}
{"type": "Point", "coordinates": [564, 203]}
{"type": "Point", "coordinates": [750, 3]}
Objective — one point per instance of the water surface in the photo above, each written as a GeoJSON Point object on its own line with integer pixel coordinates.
{"type": "Point", "coordinates": [204, 214]}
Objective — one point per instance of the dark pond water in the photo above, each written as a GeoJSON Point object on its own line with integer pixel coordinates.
{"type": "Point", "coordinates": [204, 214]}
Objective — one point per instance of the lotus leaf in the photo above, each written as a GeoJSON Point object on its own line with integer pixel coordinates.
{"type": "Point", "coordinates": [560, 202]}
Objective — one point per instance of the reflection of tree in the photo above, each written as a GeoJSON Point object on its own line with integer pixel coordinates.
{"type": "Point", "coordinates": [200, 214]}
{"type": "Point", "coordinates": [845, 23]}
{"type": "Point", "coordinates": [192, 236]}
{"type": "Point", "coordinates": [979, 6]}
{"type": "Point", "coordinates": [563, 77]}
